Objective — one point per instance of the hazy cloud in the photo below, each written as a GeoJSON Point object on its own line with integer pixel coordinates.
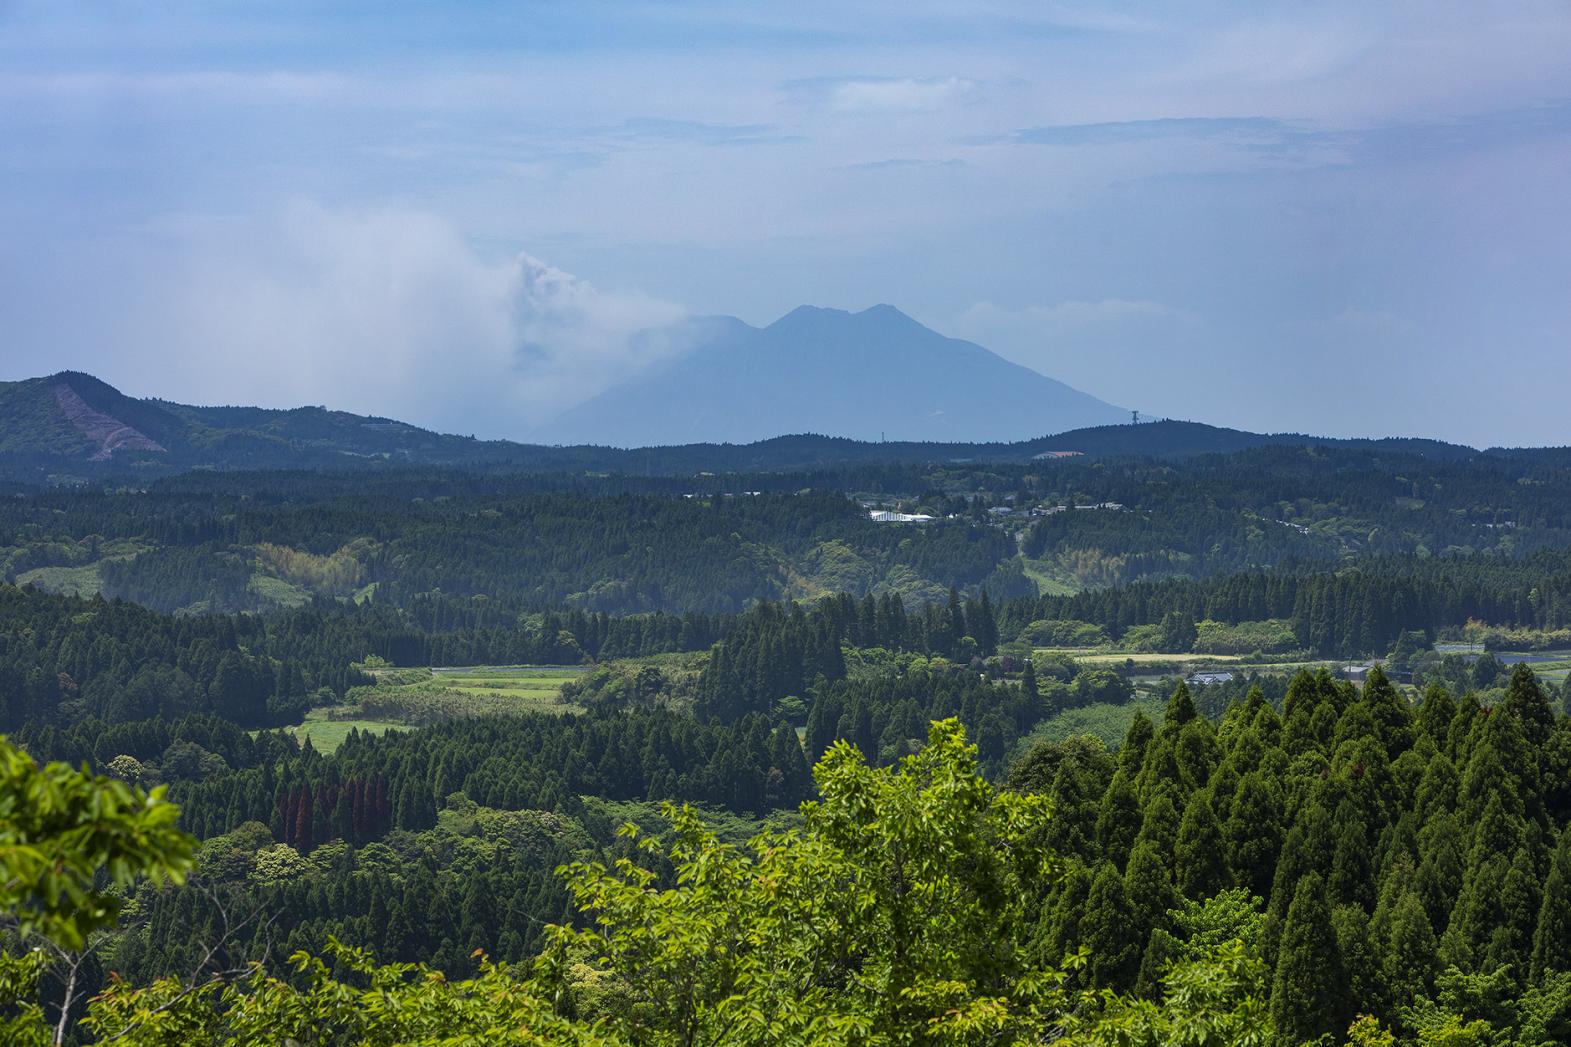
{"type": "Point", "coordinates": [383, 310]}
{"type": "Point", "coordinates": [1117, 132]}
{"type": "Point", "coordinates": [883, 93]}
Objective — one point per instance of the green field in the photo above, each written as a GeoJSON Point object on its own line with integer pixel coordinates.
{"type": "Point", "coordinates": [68, 581]}
{"type": "Point", "coordinates": [278, 591]}
{"type": "Point", "coordinates": [534, 688]}
{"type": "Point", "coordinates": [410, 698]}
{"type": "Point", "coordinates": [328, 733]}
{"type": "Point", "coordinates": [1551, 666]}
{"type": "Point", "coordinates": [82, 580]}
{"type": "Point", "coordinates": [1050, 578]}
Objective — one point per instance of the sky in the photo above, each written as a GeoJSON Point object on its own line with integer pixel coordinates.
{"type": "Point", "coordinates": [1346, 219]}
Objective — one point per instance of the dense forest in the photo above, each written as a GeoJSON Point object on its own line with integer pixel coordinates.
{"type": "Point", "coordinates": [1356, 862]}
{"type": "Point", "coordinates": [706, 542]}
{"type": "Point", "coordinates": [1388, 858]}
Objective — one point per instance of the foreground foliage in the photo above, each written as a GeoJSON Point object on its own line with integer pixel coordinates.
{"type": "Point", "coordinates": [888, 918]}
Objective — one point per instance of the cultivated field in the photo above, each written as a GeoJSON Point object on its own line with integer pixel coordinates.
{"type": "Point", "coordinates": [327, 731]}
{"type": "Point", "coordinates": [531, 688]}
{"type": "Point", "coordinates": [419, 697]}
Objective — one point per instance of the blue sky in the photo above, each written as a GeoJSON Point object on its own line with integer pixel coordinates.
{"type": "Point", "coordinates": [1345, 219]}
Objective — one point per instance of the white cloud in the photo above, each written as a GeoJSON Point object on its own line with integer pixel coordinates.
{"type": "Point", "coordinates": [386, 311]}
{"type": "Point", "coordinates": [882, 94]}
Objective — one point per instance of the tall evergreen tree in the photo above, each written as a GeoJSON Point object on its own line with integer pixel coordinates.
{"type": "Point", "coordinates": [1253, 832]}
{"type": "Point", "coordinates": [1199, 857]}
{"type": "Point", "coordinates": [1408, 963]}
{"type": "Point", "coordinates": [1310, 990]}
{"type": "Point", "coordinates": [1119, 820]}
{"type": "Point", "coordinates": [1180, 707]}
{"type": "Point", "coordinates": [1552, 936]}
{"type": "Point", "coordinates": [1104, 930]}
{"type": "Point", "coordinates": [1352, 879]}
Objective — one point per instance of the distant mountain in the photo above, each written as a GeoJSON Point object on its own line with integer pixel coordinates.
{"type": "Point", "coordinates": [72, 427]}
{"type": "Point", "coordinates": [871, 375]}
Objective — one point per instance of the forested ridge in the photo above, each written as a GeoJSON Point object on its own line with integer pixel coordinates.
{"type": "Point", "coordinates": [627, 543]}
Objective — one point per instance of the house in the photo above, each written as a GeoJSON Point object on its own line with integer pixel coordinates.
{"type": "Point", "coordinates": [1198, 679]}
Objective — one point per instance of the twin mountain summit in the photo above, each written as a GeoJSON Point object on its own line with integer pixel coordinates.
{"type": "Point", "coordinates": [856, 379]}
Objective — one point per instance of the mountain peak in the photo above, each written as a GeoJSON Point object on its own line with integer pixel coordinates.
{"type": "Point", "coordinates": [816, 315]}
{"type": "Point", "coordinates": [808, 315]}
{"type": "Point", "coordinates": [868, 375]}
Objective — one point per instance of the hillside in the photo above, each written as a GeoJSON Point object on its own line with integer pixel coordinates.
{"type": "Point", "coordinates": [74, 425]}
{"type": "Point", "coordinates": [873, 374]}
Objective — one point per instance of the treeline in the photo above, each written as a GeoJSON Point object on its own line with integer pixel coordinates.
{"type": "Point", "coordinates": [629, 544]}
{"type": "Point", "coordinates": [777, 651]}
{"type": "Point", "coordinates": [65, 660]}
{"type": "Point", "coordinates": [1401, 854]}
{"type": "Point", "coordinates": [537, 762]}
{"type": "Point", "coordinates": [435, 896]}
{"type": "Point", "coordinates": [1361, 609]}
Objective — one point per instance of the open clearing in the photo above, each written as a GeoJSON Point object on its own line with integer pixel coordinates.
{"type": "Point", "coordinates": [68, 581]}
{"type": "Point", "coordinates": [328, 733]}
{"type": "Point", "coordinates": [83, 579]}
{"type": "Point", "coordinates": [407, 698]}
{"type": "Point", "coordinates": [531, 686]}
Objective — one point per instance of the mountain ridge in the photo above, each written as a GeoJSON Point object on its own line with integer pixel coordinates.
{"type": "Point", "coordinates": [39, 444]}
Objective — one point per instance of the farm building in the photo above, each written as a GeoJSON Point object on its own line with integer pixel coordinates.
{"type": "Point", "coordinates": [890, 516]}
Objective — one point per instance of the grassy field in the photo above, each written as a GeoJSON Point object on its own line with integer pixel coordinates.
{"type": "Point", "coordinates": [1050, 578]}
{"type": "Point", "coordinates": [407, 698]}
{"type": "Point", "coordinates": [278, 591]}
{"type": "Point", "coordinates": [532, 688]}
{"type": "Point", "coordinates": [82, 580]}
{"type": "Point", "coordinates": [69, 581]}
{"type": "Point", "coordinates": [328, 733]}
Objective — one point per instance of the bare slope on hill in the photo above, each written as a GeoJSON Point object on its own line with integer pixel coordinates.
{"type": "Point", "coordinates": [110, 434]}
